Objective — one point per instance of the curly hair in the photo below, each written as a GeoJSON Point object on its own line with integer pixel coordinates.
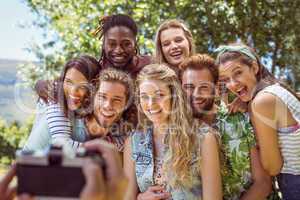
{"type": "Point", "coordinates": [107, 22]}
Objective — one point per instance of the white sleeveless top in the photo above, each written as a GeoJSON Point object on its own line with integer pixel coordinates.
{"type": "Point", "coordinates": [289, 137]}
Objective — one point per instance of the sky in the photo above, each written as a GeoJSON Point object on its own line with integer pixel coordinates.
{"type": "Point", "coordinates": [13, 38]}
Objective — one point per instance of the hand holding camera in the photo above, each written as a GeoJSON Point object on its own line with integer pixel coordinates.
{"type": "Point", "coordinates": [99, 183]}
{"type": "Point", "coordinates": [114, 186]}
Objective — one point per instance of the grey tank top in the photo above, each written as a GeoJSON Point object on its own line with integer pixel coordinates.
{"type": "Point", "coordinates": [289, 141]}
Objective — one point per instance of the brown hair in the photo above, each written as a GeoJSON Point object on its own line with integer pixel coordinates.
{"type": "Point", "coordinates": [199, 62]}
{"type": "Point", "coordinates": [264, 77]}
{"type": "Point", "coordinates": [88, 66]}
{"type": "Point", "coordinates": [173, 23]}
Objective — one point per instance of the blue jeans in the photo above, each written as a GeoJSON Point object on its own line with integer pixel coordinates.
{"type": "Point", "coordinates": [289, 185]}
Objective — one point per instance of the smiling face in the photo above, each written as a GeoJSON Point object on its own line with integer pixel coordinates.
{"type": "Point", "coordinates": [119, 46]}
{"type": "Point", "coordinates": [109, 103]}
{"type": "Point", "coordinates": [175, 46]}
{"type": "Point", "coordinates": [239, 78]}
{"type": "Point", "coordinates": [199, 87]}
{"type": "Point", "coordinates": [76, 88]}
{"type": "Point", "coordinates": [155, 100]}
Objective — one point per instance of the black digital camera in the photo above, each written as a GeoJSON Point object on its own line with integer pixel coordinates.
{"type": "Point", "coordinates": [53, 174]}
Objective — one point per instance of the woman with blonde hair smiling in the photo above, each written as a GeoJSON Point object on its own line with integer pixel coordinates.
{"type": "Point", "coordinates": [162, 157]}
{"type": "Point", "coordinates": [173, 43]}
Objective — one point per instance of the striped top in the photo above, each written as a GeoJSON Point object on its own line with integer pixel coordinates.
{"type": "Point", "coordinates": [61, 130]}
{"type": "Point", "coordinates": [289, 137]}
{"type": "Point", "coordinates": [60, 127]}
{"type": "Point", "coordinates": [40, 138]}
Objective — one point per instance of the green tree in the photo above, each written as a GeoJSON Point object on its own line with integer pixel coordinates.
{"type": "Point", "coordinates": [271, 26]}
{"type": "Point", "coordinates": [12, 137]}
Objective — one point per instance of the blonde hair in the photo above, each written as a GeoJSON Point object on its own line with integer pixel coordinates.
{"type": "Point", "coordinates": [115, 75]}
{"type": "Point", "coordinates": [181, 134]}
{"type": "Point", "coordinates": [173, 23]}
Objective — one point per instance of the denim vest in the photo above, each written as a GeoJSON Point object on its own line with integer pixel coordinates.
{"type": "Point", "coordinates": [142, 154]}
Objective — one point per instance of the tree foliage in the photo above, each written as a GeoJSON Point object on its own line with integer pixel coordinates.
{"type": "Point", "coordinates": [12, 137]}
{"type": "Point", "coordinates": [272, 27]}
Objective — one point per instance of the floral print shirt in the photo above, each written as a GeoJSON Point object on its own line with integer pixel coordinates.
{"type": "Point", "coordinates": [237, 139]}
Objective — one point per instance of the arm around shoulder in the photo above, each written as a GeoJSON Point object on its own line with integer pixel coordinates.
{"type": "Point", "coordinates": [39, 138]}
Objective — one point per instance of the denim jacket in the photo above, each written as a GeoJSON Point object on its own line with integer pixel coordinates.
{"type": "Point", "coordinates": [142, 154]}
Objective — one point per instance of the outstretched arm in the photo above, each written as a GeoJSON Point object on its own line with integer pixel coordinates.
{"type": "Point", "coordinates": [60, 127]}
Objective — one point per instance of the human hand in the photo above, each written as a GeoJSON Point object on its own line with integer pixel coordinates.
{"type": "Point", "coordinates": [44, 90]}
{"type": "Point", "coordinates": [262, 182]}
{"type": "Point", "coordinates": [154, 193]}
{"type": "Point", "coordinates": [237, 105]}
{"type": "Point", "coordinates": [259, 174]}
{"type": "Point", "coordinates": [114, 185]}
{"type": "Point", "coordinates": [9, 193]}
{"type": "Point", "coordinates": [257, 169]}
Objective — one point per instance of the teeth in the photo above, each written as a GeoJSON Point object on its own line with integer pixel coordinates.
{"type": "Point", "coordinates": [107, 114]}
{"type": "Point", "coordinates": [241, 91]}
{"type": "Point", "coordinates": [119, 57]}
{"type": "Point", "coordinates": [154, 111]}
{"type": "Point", "coordinates": [176, 54]}
{"type": "Point", "coordinates": [73, 97]}
{"type": "Point", "coordinates": [199, 102]}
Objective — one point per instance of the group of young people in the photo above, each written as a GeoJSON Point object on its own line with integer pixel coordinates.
{"type": "Point", "coordinates": [187, 125]}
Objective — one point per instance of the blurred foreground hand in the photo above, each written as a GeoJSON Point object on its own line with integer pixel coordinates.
{"type": "Point", "coordinates": [109, 184]}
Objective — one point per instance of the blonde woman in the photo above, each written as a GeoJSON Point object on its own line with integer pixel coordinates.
{"type": "Point", "coordinates": [173, 43]}
{"type": "Point", "coordinates": [162, 157]}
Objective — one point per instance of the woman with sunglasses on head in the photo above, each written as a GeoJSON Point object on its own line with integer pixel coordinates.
{"type": "Point", "coordinates": [274, 113]}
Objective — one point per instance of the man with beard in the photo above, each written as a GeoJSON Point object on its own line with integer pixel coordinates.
{"type": "Point", "coordinates": [119, 51]}
{"type": "Point", "coordinates": [114, 95]}
{"type": "Point", "coordinates": [198, 85]}
{"type": "Point", "coordinates": [242, 173]}
{"type": "Point", "coordinates": [112, 98]}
